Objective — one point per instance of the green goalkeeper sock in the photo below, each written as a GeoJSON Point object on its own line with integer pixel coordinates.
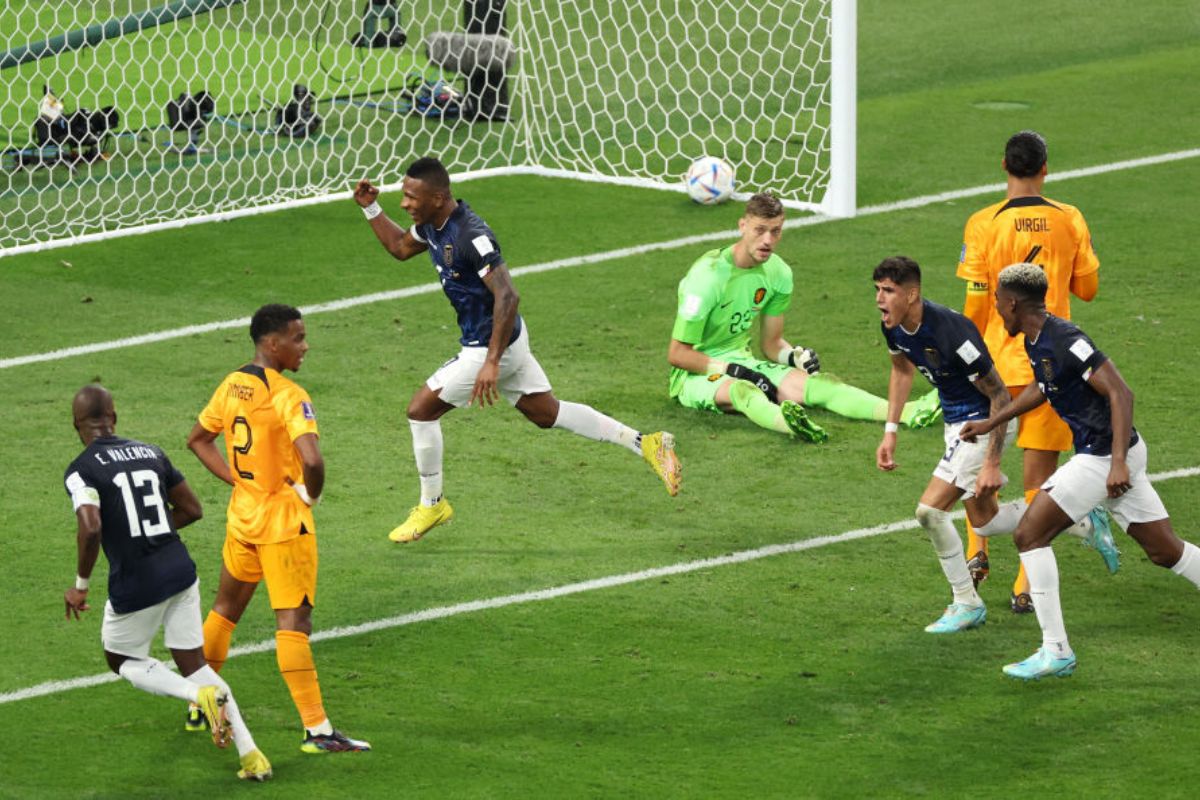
{"type": "Point", "coordinates": [749, 400]}
{"type": "Point", "coordinates": [842, 398]}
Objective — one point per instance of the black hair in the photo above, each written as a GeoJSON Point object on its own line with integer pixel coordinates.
{"type": "Point", "coordinates": [900, 270]}
{"type": "Point", "coordinates": [1025, 154]}
{"type": "Point", "coordinates": [272, 318]}
{"type": "Point", "coordinates": [431, 172]}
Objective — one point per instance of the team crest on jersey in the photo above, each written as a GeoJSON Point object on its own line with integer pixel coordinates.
{"type": "Point", "coordinates": [933, 357]}
{"type": "Point", "coordinates": [1047, 370]}
{"type": "Point", "coordinates": [448, 254]}
{"type": "Point", "coordinates": [307, 408]}
{"type": "Point", "coordinates": [759, 294]}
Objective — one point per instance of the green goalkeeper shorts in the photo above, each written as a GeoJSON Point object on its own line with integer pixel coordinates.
{"type": "Point", "coordinates": [698, 391]}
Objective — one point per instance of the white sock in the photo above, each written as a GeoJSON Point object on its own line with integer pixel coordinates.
{"type": "Point", "coordinates": [1081, 529]}
{"type": "Point", "coordinates": [427, 448]}
{"type": "Point", "coordinates": [153, 676]}
{"type": "Point", "coordinates": [323, 729]}
{"type": "Point", "coordinates": [207, 676]}
{"type": "Point", "coordinates": [1042, 570]}
{"type": "Point", "coordinates": [590, 423]}
{"type": "Point", "coordinates": [949, 548]}
{"type": "Point", "coordinates": [1005, 521]}
{"type": "Point", "coordinates": [1188, 564]}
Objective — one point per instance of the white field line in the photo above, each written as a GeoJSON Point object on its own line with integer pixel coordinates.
{"type": "Point", "coordinates": [442, 612]}
{"type": "Point", "coordinates": [577, 261]}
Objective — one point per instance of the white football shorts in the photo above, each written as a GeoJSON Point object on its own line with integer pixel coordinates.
{"type": "Point", "coordinates": [1081, 484]}
{"type": "Point", "coordinates": [179, 617]}
{"type": "Point", "coordinates": [520, 373]}
{"type": "Point", "coordinates": [962, 461]}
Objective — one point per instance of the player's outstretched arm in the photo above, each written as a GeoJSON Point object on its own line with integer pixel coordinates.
{"type": "Point", "coordinates": [396, 240]}
{"type": "Point", "coordinates": [185, 506]}
{"type": "Point", "coordinates": [87, 539]}
{"type": "Point", "coordinates": [202, 442]}
{"type": "Point", "coordinates": [1026, 401]}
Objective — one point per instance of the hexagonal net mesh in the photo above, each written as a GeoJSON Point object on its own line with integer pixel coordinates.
{"type": "Point", "coordinates": [120, 115]}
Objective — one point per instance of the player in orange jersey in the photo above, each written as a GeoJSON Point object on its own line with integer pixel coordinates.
{"type": "Point", "coordinates": [1028, 227]}
{"type": "Point", "coordinates": [277, 473]}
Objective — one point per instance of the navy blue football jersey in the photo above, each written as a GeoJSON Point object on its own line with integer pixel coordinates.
{"type": "Point", "coordinates": [1063, 359]}
{"type": "Point", "coordinates": [948, 350]}
{"type": "Point", "coordinates": [464, 250]}
{"type": "Point", "coordinates": [129, 481]}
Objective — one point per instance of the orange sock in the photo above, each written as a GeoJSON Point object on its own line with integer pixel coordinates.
{"type": "Point", "coordinates": [300, 673]}
{"type": "Point", "coordinates": [1021, 584]}
{"type": "Point", "coordinates": [217, 633]}
{"type": "Point", "coordinates": [975, 543]}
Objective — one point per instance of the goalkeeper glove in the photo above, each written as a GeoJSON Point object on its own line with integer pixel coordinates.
{"type": "Point", "coordinates": [738, 372]}
{"type": "Point", "coordinates": [801, 358]}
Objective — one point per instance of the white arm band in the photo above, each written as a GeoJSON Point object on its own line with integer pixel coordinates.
{"type": "Point", "coordinates": [372, 211]}
{"type": "Point", "coordinates": [891, 427]}
{"type": "Point", "coordinates": [82, 583]}
{"type": "Point", "coordinates": [785, 356]}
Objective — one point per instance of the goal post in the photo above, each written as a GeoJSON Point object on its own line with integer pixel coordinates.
{"type": "Point", "coordinates": [224, 108]}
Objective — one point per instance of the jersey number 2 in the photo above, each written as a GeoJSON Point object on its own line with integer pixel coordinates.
{"type": "Point", "coordinates": [242, 448]}
{"type": "Point", "coordinates": [152, 503]}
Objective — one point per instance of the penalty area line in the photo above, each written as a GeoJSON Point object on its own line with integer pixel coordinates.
{"type": "Point", "coordinates": [607, 582]}
{"type": "Point", "coordinates": [579, 261]}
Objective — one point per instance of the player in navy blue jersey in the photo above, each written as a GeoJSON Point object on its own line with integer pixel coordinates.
{"type": "Point", "coordinates": [494, 358]}
{"type": "Point", "coordinates": [949, 351]}
{"type": "Point", "coordinates": [1109, 465]}
{"type": "Point", "coordinates": [130, 500]}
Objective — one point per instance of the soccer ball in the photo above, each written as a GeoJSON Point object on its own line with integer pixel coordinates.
{"type": "Point", "coordinates": [709, 180]}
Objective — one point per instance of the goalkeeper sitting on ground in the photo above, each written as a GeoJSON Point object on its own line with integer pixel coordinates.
{"type": "Point", "coordinates": [712, 366]}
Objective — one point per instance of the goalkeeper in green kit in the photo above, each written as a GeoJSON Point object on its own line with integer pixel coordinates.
{"type": "Point", "coordinates": [712, 366]}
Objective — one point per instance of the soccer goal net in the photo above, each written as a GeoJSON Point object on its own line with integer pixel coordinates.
{"type": "Point", "coordinates": [120, 116]}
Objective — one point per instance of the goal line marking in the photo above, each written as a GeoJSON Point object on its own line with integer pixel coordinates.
{"type": "Point", "coordinates": [578, 261]}
{"type": "Point", "coordinates": [607, 582]}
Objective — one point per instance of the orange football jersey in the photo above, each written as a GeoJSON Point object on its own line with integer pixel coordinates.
{"type": "Point", "coordinates": [261, 414]}
{"type": "Point", "coordinates": [1036, 230]}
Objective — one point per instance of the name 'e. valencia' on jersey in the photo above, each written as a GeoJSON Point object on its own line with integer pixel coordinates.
{"type": "Point", "coordinates": [129, 481]}
{"type": "Point", "coordinates": [1034, 230]}
{"type": "Point", "coordinates": [1063, 359]}
{"type": "Point", "coordinates": [949, 351]}
{"type": "Point", "coordinates": [262, 413]}
{"type": "Point", "coordinates": [464, 250]}
{"type": "Point", "coordinates": [718, 303]}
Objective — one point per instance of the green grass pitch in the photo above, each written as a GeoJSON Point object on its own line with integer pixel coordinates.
{"type": "Point", "coordinates": [797, 675]}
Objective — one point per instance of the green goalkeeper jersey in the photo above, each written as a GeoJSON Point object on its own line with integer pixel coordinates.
{"type": "Point", "coordinates": [718, 302]}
